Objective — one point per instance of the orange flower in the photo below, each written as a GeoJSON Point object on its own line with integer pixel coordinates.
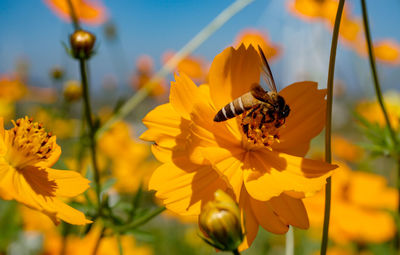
{"type": "Point", "coordinates": [27, 152]}
{"type": "Point", "coordinates": [372, 112]}
{"type": "Point", "coordinates": [358, 203]}
{"type": "Point", "coordinates": [255, 38]}
{"type": "Point", "coordinates": [143, 74]}
{"type": "Point", "coordinates": [344, 149]}
{"type": "Point", "coordinates": [201, 156]}
{"type": "Point", "coordinates": [386, 51]}
{"type": "Point", "coordinates": [11, 88]}
{"type": "Point", "coordinates": [91, 12]}
{"type": "Point", "coordinates": [194, 67]}
{"type": "Point", "coordinates": [108, 245]}
{"type": "Point", "coordinates": [129, 158]}
{"type": "Point", "coordinates": [325, 11]}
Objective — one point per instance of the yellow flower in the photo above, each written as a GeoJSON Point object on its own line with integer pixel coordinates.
{"type": "Point", "coordinates": [87, 11]}
{"type": "Point", "coordinates": [255, 38]}
{"type": "Point", "coordinates": [83, 246]}
{"type": "Point", "coordinates": [194, 67]}
{"type": "Point", "coordinates": [386, 51]}
{"type": "Point", "coordinates": [11, 88]}
{"type": "Point", "coordinates": [344, 149]}
{"type": "Point", "coordinates": [63, 128]}
{"type": "Point", "coordinates": [358, 203]}
{"type": "Point", "coordinates": [201, 156]}
{"type": "Point", "coordinates": [72, 91]}
{"type": "Point", "coordinates": [143, 74]}
{"type": "Point", "coordinates": [27, 152]}
{"type": "Point", "coordinates": [371, 111]}
{"type": "Point", "coordinates": [129, 158]}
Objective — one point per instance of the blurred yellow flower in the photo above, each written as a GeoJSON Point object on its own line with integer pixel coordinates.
{"type": "Point", "coordinates": [371, 111]}
{"type": "Point", "coordinates": [194, 67]}
{"type": "Point", "coordinates": [201, 156]}
{"type": "Point", "coordinates": [27, 152]}
{"type": "Point", "coordinates": [258, 38]}
{"type": "Point", "coordinates": [11, 88]}
{"type": "Point", "coordinates": [143, 74]}
{"type": "Point", "coordinates": [7, 109]}
{"type": "Point", "coordinates": [72, 91]}
{"type": "Point", "coordinates": [83, 246]}
{"type": "Point", "coordinates": [63, 127]}
{"type": "Point", "coordinates": [345, 150]}
{"type": "Point", "coordinates": [359, 201]}
{"type": "Point", "coordinates": [91, 12]}
{"type": "Point", "coordinates": [386, 51]}
{"type": "Point", "coordinates": [130, 163]}
{"type": "Point", "coordinates": [325, 11]}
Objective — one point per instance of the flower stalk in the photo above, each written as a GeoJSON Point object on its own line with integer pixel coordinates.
{"type": "Point", "coordinates": [379, 97]}
{"type": "Point", "coordinates": [328, 152]}
{"type": "Point", "coordinates": [82, 43]}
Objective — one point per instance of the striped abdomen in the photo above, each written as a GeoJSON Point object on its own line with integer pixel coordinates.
{"type": "Point", "coordinates": [236, 107]}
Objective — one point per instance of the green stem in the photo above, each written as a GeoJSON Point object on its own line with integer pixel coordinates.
{"type": "Point", "coordinates": [74, 17]}
{"type": "Point", "coordinates": [193, 44]}
{"type": "Point", "coordinates": [92, 131]}
{"type": "Point", "coordinates": [379, 97]}
{"type": "Point", "coordinates": [328, 152]}
{"type": "Point", "coordinates": [140, 221]}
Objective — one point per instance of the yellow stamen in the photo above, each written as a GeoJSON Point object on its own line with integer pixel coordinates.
{"type": "Point", "coordinates": [29, 143]}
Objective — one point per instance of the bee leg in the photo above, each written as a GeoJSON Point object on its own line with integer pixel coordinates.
{"type": "Point", "coordinates": [271, 117]}
{"type": "Point", "coordinates": [262, 121]}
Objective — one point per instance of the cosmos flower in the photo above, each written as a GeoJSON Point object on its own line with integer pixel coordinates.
{"type": "Point", "coordinates": [143, 74]}
{"type": "Point", "coordinates": [263, 170]}
{"type": "Point", "coordinates": [359, 209]}
{"type": "Point", "coordinates": [346, 150]}
{"type": "Point", "coordinates": [386, 51]}
{"type": "Point", "coordinates": [129, 158]}
{"type": "Point", "coordinates": [11, 88]}
{"type": "Point", "coordinates": [27, 153]}
{"type": "Point", "coordinates": [256, 37]}
{"type": "Point", "coordinates": [91, 12]}
{"type": "Point", "coordinates": [371, 110]}
{"type": "Point", "coordinates": [193, 66]}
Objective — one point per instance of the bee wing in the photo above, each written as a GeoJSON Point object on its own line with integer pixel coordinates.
{"type": "Point", "coordinates": [267, 73]}
{"type": "Point", "coordinates": [259, 93]}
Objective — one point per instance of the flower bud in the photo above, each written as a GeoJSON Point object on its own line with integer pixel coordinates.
{"type": "Point", "coordinates": [72, 91]}
{"type": "Point", "coordinates": [220, 221]}
{"type": "Point", "coordinates": [82, 43]}
{"type": "Point", "coordinates": [57, 73]}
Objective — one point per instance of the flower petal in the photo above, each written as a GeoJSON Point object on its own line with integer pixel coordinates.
{"type": "Point", "coordinates": [184, 93]}
{"type": "Point", "coordinates": [306, 119]}
{"type": "Point", "coordinates": [69, 214]}
{"type": "Point", "coordinates": [184, 191]}
{"type": "Point", "coordinates": [267, 174]}
{"type": "Point", "coordinates": [166, 127]}
{"type": "Point", "coordinates": [249, 221]}
{"type": "Point", "coordinates": [232, 74]}
{"type": "Point", "coordinates": [291, 210]}
{"type": "Point", "coordinates": [207, 133]}
{"type": "Point", "coordinates": [69, 183]}
{"type": "Point", "coordinates": [229, 165]}
{"type": "Point", "coordinates": [267, 218]}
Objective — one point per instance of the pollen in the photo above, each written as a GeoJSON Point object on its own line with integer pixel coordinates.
{"type": "Point", "coordinates": [29, 143]}
{"type": "Point", "coordinates": [261, 126]}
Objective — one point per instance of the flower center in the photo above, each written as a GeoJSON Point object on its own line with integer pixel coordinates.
{"type": "Point", "coordinates": [261, 126]}
{"type": "Point", "coordinates": [29, 143]}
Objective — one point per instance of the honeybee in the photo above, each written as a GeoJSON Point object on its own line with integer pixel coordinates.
{"type": "Point", "coordinates": [268, 105]}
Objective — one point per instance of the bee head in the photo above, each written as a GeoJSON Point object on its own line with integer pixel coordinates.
{"type": "Point", "coordinates": [282, 108]}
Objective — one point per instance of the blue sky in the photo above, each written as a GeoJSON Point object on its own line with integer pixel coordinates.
{"type": "Point", "coordinates": [28, 29]}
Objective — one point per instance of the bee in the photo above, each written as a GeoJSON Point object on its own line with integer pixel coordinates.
{"type": "Point", "coordinates": [267, 106]}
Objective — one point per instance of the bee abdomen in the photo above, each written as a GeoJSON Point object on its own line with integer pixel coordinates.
{"type": "Point", "coordinates": [234, 108]}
